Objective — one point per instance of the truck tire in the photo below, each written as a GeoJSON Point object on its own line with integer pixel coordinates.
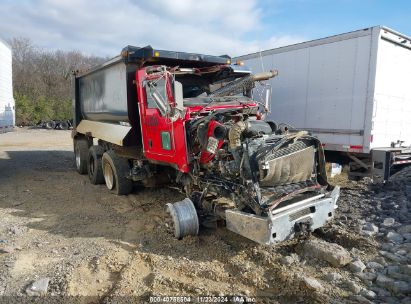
{"type": "Point", "coordinates": [94, 167]}
{"type": "Point", "coordinates": [81, 154]}
{"type": "Point", "coordinates": [50, 124]}
{"type": "Point", "coordinates": [63, 125]}
{"type": "Point", "coordinates": [115, 171]}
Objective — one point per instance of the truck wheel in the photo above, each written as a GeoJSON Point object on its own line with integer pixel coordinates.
{"type": "Point", "coordinates": [81, 154]}
{"type": "Point", "coordinates": [184, 218]}
{"type": "Point", "coordinates": [115, 171]}
{"type": "Point", "coordinates": [50, 124]}
{"type": "Point", "coordinates": [94, 167]}
{"type": "Point", "coordinates": [63, 125]}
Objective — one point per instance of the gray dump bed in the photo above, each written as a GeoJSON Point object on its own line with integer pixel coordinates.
{"type": "Point", "coordinates": [103, 93]}
{"type": "Point", "coordinates": [107, 93]}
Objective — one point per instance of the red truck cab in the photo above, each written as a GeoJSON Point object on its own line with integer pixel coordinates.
{"type": "Point", "coordinates": [164, 114]}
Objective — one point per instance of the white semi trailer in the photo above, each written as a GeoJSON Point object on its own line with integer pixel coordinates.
{"type": "Point", "coordinates": [7, 111]}
{"type": "Point", "coordinates": [353, 91]}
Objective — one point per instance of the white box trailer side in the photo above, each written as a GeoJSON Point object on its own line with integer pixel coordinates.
{"type": "Point", "coordinates": [350, 90]}
{"type": "Point", "coordinates": [7, 107]}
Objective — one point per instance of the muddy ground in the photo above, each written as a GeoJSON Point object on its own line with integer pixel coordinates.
{"type": "Point", "coordinates": [95, 247]}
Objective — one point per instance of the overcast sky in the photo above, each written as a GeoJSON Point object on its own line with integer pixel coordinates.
{"type": "Point", "coordinates": [234, 27]}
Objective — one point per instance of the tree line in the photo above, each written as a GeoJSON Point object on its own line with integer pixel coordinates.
{"type": "Point", "coordinates": [42, 81]}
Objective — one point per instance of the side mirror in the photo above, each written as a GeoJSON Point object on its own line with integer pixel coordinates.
{"type": "Point", "coordinates": [178, 95]}
{"type": "Point", "coordinates": [267, 100]}
{"type": "Point", "coordinates": [162, 104]}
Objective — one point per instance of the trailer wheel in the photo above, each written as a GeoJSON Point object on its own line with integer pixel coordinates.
{"type": "Point", "coordinates": [50, 125]}
{"type": "Point", "coordinates": [81, 154]}
{"type": "Point", "coordinates": [94, 167]}
{"type": "Point", "coordinates": [115, 171]}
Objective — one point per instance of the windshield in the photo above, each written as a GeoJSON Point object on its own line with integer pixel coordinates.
{"type": "Point", "coordinates": [201, 89]}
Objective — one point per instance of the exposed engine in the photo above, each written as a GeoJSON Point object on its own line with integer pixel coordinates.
{"type": "Point", "coordinates": [252, 163]}
{"type": "Point", "coordinates": [266, 183]}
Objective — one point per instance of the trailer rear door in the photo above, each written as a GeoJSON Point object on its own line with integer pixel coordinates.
{"type": "Point", "coordinates": [392, 96]}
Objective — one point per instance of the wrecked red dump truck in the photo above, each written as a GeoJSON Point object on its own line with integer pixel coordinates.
{"type": "Point", "coordinates": [158, 117]}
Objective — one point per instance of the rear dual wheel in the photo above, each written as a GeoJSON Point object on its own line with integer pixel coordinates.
{"type": "Point", "coordinates": [102, 166]}
{"type": "Point", "coordinates": [94, 167]}
{"type": "Point", "coordinates": [115, 172]}
{"type": "Point", "coordinates": [81, 146]}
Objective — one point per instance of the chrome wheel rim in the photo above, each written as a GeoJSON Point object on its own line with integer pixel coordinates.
{"type": "Point", "coordinates": [108, 175]}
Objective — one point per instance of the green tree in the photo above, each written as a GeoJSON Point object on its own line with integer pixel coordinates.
{"type": "Point", "coordinates": [42, 81]}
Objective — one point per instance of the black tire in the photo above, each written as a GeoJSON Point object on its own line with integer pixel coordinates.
{"type": "Point", "coordinates": [81, 154]}
{"type": "Point", "coordinates": [63, 125]}
{"type": "Point", "coordinates": [115, 171]}
{"type": "Point", "coordinates": [94, 168]}
{"type": "Point", "coordinates": [50, 124]}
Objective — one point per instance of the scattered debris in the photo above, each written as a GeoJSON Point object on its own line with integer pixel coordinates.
{"type": "Point", "coordinates": [369, 229]}
{"type": "Point", "coordinates": [312, 284]}
{"type": "Point", "coordinates": [367, 276]}
{"type": "Point", "coordinates": [404, 229]}
{"type": "Point", "coordinates": [369, 294]}
{"type": "Point", "coordinates": [333, 253]}
{"type": "Point", "coordinates": [352, 286]}
{"type": "Point", "coordinates": [8, 249]}
{"type": "Point", "coordinates": [394, 237]}
{"type": "Point", "coordinates": [388, 222]}
{"type": "Point", "coordinates": [332, 277]}
{"type": "Point", "coordinates": [290, 259]}
{"type": "Point", "coordinates": [356, 266]}
{"type": "Point", "coordinates": [17, 230]}
{"type": "Point", "coordinates": [374, 265]}
{"type": "Point", "coordinates": [39, 287]}
{"type": "Point", "coordinates": [360, 299]}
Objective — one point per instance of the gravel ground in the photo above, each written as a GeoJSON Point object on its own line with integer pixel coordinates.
{"type": "Point", "coordinates": [65, 240]}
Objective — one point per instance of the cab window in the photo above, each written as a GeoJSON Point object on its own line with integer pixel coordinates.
{"type": "Point", "coordinates": [157, 85]}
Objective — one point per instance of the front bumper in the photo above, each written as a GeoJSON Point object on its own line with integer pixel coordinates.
{"type": "Point", "coordinates": [283, 223]}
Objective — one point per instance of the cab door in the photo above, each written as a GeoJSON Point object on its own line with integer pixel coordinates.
{"type": "Point", "coordinates": [163, 137]}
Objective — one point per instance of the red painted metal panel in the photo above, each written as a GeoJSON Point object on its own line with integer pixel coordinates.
{"type": "Point", "coordinates": [153, 124]}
